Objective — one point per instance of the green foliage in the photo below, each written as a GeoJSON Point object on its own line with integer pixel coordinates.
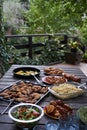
{"type": "Point", "coordinates": [13, 12]}
{"type": "Point", "coordinates": [3, 47]}
{"type": "Point", "coordinates": [50, 16]}
{"type": "Point", "coordinates": [52, 52]}
{"type": "Point", "coordinates": [47, 16]}
{"type": "Point", "coordinates": [83, 32]}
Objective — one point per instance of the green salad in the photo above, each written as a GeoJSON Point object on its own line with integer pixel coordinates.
{"type": "Point", "coordinates": [82, 114]}
{"type": "Point", "coordinates": [25, 113]}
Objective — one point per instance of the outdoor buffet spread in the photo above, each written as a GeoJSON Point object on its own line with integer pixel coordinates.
{"type": "Point", "coordinates": [56, 82]}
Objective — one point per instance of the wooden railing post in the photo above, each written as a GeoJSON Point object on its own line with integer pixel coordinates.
{"type": "Point", "coordinates": [30, 46]}
{"type": "Point", "coordinates": [49, 37]}
{"type": "Point", "coordinates": [66, 39]}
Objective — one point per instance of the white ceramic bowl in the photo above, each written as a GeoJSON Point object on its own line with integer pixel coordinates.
{"type": "Point", "coordinates": [26, 123]}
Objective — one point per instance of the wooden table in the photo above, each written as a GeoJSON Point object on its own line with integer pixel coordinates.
{"type": "Point", "coordinates": [8, 79]}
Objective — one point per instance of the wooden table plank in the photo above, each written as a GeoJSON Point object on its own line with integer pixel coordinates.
{"type": "Point", "coordinates": [8, 79]}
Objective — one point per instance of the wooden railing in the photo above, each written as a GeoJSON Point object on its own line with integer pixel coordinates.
{"type": "Point", "coordinates": [30, 45]}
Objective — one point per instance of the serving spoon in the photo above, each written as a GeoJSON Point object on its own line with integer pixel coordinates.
{"type": "Point", "coordinates": [38, 81]}
{"type": "Point", "coordinates": [82, 85]}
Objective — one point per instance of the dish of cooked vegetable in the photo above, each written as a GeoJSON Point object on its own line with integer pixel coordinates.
{"type": "Point", "coordinates": [26, 72]}
{"type": "Point", "coordinates": [21, 72]}
{"type": "Point", "coordinates": [82, 114]}
{"type": "Point", "coordinates": [25, 113]}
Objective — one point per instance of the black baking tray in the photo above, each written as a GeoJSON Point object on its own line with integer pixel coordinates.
{"type": "Point", "coordinates": [17, 84]}
{"type": "Point", "coordinates": [24, 69]}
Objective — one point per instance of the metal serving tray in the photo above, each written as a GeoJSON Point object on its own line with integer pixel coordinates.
{"type": "Point", "coordinates": [22, 87]}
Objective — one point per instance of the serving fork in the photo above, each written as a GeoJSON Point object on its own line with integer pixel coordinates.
{"type": "Point", "coordinates": [11, 101]}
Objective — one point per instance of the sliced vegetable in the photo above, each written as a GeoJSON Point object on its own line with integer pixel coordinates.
{"type": "Point", "coordinates": [25, 113]}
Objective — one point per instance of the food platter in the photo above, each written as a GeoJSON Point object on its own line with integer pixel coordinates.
{"type": "Point", "coordinates": [24, 91]}
{"type": "Point", "coordinates": [25, 72]}
{"type": "Point", "coordinates": [57, 108]}
{"type": "Point", "coordinates": [53, 117]}
{"type": "Point", "coordinates": [66, 90]}
{"type": "Point", "coordinates": [53, 71]}
{"type": "Point", "coordinates": [54, 80]}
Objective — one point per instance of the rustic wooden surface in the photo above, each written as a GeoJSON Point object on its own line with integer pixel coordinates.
{"type": "Point", "coordinates": [8, 79]}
